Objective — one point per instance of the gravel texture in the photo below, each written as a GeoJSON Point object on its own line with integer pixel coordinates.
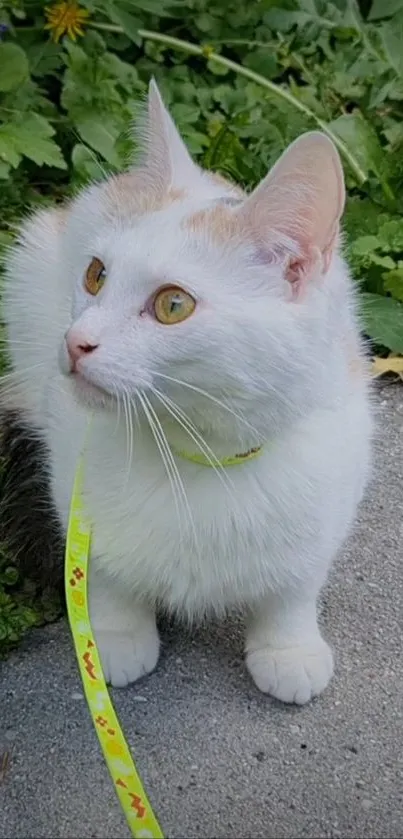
{"type": "Point", "coordinates": [217, 758]}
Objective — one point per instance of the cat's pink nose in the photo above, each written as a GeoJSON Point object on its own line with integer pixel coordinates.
{"type": "Point", "coordinates": [77, 347]}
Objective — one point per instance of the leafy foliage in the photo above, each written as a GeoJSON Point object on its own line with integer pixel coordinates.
{"type": "Point", "coordinates": [242, 80]}
{"type": "Point", "coordinates": [66, 106]}
{"type": "Point", "coordinates": [22, 606]}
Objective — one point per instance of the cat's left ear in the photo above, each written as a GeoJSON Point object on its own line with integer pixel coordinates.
{"type": "Point", "coordinates": [167, 157]}
{"type": "Point", "coordinates": [300, 202]}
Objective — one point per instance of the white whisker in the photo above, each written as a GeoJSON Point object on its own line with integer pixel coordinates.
{"type": "Point", "coordinates": [208, 396]}
{"type": "Point", "coordinates": [130, 418]}
{"type": "Point", "coordinates": [33, 345]}
{"type": "Point", "coordinates": [136, 413]}
{"type": "Point", "coordinates": [126, 410]}
{"type": "Point", "coordinates": [118, 412]}
{"type": "Point", "coordinates": [20, 373]}
{"type": "Point", "coordinates": [161, 444]}
{"type": "Point", "coordinates": [175, 470]}
{"type": "Point", "coordinates": [183, 420]}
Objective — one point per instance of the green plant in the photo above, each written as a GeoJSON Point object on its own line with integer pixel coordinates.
{"type": "Point", "coordinates": [22, 606]}
{"type": "Point", "coordinates": [242, 81]}
{"type": "Point", "coordinates": [65, 107]}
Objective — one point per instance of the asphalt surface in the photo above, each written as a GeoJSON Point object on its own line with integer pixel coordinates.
{"type": "Point", "coordinates": [217, 758]}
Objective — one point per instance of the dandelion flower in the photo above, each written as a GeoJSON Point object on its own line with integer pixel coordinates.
{"type": "Point", "coordinates": [65, 19]}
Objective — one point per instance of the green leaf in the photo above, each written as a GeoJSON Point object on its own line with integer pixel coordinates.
{"type": "Point", "coordinates": [394, 134]}
{"type": "Point", "coordinates": [204, 22]}
{"type": "Point", "coordinates": [10, 576]}
{"type": "Point", "coordinates": [4, 171]}
{"type": "Point", "coordinates": [384, 8]}
{"type": "Point", "coordinates": [390, 235]}
{"type": "Point", "coordinates": [364, 245]}
{"type": "Point", "coordinates": [263, 61]}
{"type": "Point", "coordinates": [85, 163]}
{"type": "Point", "coordinates": [361, 216]}
{"type": "Point", "coordinates": [217, 69]}
{"type": "Point", "coordinates": [34, 142]}
{"type": "Point", "coordinates": [392, 41]}
{"type": "Point", "coordinates": [310, 13]}
{"type": "Point", "coordinates": [393, 282]}
{"type": "Point", "coordinates": [383, 320]}
{"type": "Point", "coordinates": [383, 261]}
{"type": "Point", "coordinates": [44, 59]}
{"type": "Point", "coordinates": [30, 136]}
{"type": "Point", "coordinates": [14, 68]}
{"type": "Point", "coordinates": [196, 142]}
{"type": "Point", "coordinates": [183, 113]}
{"type": "Point", "coordinates": [8, 150]}
{"type": "Point", "coordinates": [362, 140]}
{"type": "Point", "coordinates": [128, 22]}
{"type": "Point", "coordinates": [158, 7]}
{"type": "Point", "coordinates": [101, 134]}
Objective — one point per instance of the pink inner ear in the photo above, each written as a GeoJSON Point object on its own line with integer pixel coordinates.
{"type": "Point", "coordinates": [304, 268]}
{"type": "Point", "coordinates": [294, 273]}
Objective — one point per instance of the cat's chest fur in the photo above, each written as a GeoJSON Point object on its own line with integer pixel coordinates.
{"type": "Point", "coordinates": [214, 546]}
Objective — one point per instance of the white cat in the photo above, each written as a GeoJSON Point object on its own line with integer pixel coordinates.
{"type": "Point", "coordinates": [192, 319]}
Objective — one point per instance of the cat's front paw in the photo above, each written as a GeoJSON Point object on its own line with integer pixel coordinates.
{"type": "Point", "coordinates": [292, 674]}
{"type": "Point", "coordinates": [126, 658]}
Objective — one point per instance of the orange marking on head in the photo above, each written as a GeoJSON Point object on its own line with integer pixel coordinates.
{"type": "Point", "coordinates": [136, 193]}
{"type": "Point", "coordinates": [219, 222]}
{"type": "Point", "coordinates": [175, 194]}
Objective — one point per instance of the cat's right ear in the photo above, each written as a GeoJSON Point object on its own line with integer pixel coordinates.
{"type": "Point", "coordinates": [300, 202]}
{"type": "Point", "coordinates": [166, 156]}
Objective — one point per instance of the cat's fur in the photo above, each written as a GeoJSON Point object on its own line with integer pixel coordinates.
{"type": "Point", "coordinates": [270, 356]}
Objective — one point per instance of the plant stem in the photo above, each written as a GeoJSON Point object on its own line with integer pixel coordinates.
{"type": "Point", "coordinates": [209, 54]}
{"type": "Point", "coordinates": [106, 27]}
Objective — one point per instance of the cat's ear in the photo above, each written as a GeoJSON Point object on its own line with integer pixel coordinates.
{"type": "Point", "coordinates": [166, 154]}
{"type": "Point", "coordinates": [300, 201]}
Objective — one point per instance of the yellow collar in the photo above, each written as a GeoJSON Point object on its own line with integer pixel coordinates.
{"type": "Point", "coordinates": [231, 460]}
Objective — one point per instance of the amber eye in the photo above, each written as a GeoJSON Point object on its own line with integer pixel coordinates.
{"type": "Point", "coordinates": [95, 276]}
{"type": "Point", "coordinates": [172, 305]}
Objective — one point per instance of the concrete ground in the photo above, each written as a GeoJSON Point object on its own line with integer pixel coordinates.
{"type": "Point", "coordinates": [217, 758]}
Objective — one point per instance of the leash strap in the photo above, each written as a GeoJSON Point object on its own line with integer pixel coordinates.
{"type": "Point", "coordinates": [136, 807]}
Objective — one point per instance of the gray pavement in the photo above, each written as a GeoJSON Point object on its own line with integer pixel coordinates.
{"type": "Point", "coordinates": [217, 758]}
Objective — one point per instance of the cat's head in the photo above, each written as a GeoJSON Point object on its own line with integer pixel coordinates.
{"type": "Point", "coordinates": [186, 286]}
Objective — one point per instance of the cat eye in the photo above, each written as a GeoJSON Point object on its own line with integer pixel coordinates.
{"type": "Point", "coordinates": [173, 305]}
{"type": "Point", "coordinates": [95, 276]}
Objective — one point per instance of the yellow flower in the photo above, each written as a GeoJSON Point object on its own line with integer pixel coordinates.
{"type": "Point", "coordinates": [65, 19]}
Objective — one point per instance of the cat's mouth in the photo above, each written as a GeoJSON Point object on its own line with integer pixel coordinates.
{"type": "Point", "coordinates": [89, 392]}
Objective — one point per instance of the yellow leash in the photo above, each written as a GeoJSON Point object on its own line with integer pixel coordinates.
{"type": "Point", "coordinates": [136, 806]}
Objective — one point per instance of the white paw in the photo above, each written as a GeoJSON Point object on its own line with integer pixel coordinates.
{"type": "Point", "coordinates": [126, 658]}
{"type": "Point", "coordinates": [292, 674]}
